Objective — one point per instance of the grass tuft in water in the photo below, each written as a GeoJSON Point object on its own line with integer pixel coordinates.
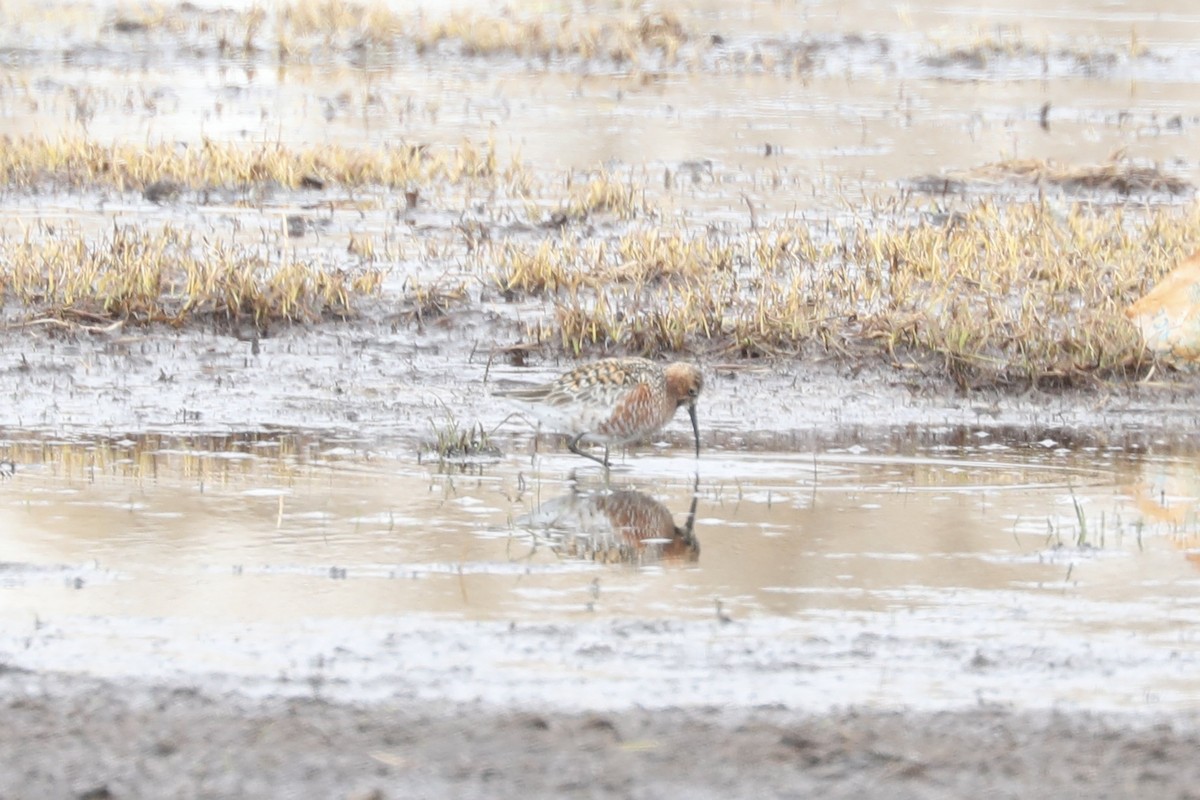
{"type": "Point", "coordinates": [453, 442]}
{"type": "Point", "coordinates": [423, 303]}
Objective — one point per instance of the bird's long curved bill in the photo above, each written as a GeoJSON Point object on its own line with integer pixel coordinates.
{"type": "Point", "coordinates": [695, 427]}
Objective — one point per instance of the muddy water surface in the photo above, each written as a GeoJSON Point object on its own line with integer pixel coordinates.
{"type": "Point", "coordinates": [925, 575]}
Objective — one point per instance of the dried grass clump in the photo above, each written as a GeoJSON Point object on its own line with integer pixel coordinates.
{"type": "Point", "coordinates": [306, 29]}
{"type": "Point", "coordinates": [75, 163]}
{"type": "Point", "coordinates": [639, 259]}
{"type": "Point", "coordinates": [373, 23]}
{"type": "Point", "coordinates": [985, 47]}
{"type": "Point", "coordinates": [630, 319]}
{"type": "Point", "coordinates": [548, 267]}
{"type": "Point", "coordinates": [424, 302]}
{"type": "Point", "coordinates": [619, 37]}
{"type": "Point", "coordinates": [1117, 176]}
{"type": "Point", "coordinates": [607, 194]}
{"type": "Point", "coordinates": [140, 276]}
{"type": "Point", "coordinates": [1013, 295]}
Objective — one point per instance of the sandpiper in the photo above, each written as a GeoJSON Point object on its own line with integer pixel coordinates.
{"type": "Point", "coordinates": [613, 401]}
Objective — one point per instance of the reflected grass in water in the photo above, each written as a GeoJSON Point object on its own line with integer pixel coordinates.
{"type": "Point", "coordinates": [212, 459]}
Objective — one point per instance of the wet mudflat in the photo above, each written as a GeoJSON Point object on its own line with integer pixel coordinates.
{"type": "Point", "coordinates": [154, 741]}
{"type": "Point", "coordinates": [232, 563]}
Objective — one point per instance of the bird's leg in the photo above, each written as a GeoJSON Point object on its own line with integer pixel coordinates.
{"type": "Point", "coordinates": [573, 446]}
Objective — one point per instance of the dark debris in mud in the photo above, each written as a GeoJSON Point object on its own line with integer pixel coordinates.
{"type": "Point", "coordinates": [1122, 178]}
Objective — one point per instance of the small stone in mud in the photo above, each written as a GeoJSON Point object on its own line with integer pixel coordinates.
{"type": "Point", "coordinates": [601, 724]}
{"type": "Point", "coordinates": [697, 170]}
{"type": "Point", "coordinates": [980, 661]}
{"type": "Point", "coordinates": [162, 191]}
{"type": "Point", "coordinates": [536, 722]}
{"type": "Point", "coordinates": [934, 184]}
{"type": "Point", "coordinates": [797, 741]}
{"type": "Point", "coordinates": [129, 26]}
{"type": "Point", "coordinates": [165, 747]}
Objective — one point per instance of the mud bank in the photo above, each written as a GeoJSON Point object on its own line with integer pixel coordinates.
{"type": "Point", "coordinates": [372, 381]}
{"type": "Point", "coordinates": [80, 738]}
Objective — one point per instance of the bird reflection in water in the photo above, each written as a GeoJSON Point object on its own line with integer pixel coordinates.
{"type": "Point", "coordinates": [613, 526]}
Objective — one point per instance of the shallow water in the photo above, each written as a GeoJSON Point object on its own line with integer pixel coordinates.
{"type": "Point", "coordinates": [864, 568]}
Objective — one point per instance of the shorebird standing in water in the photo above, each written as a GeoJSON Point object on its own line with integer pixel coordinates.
{"type": "Point", "coordinates": [613, 401]}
